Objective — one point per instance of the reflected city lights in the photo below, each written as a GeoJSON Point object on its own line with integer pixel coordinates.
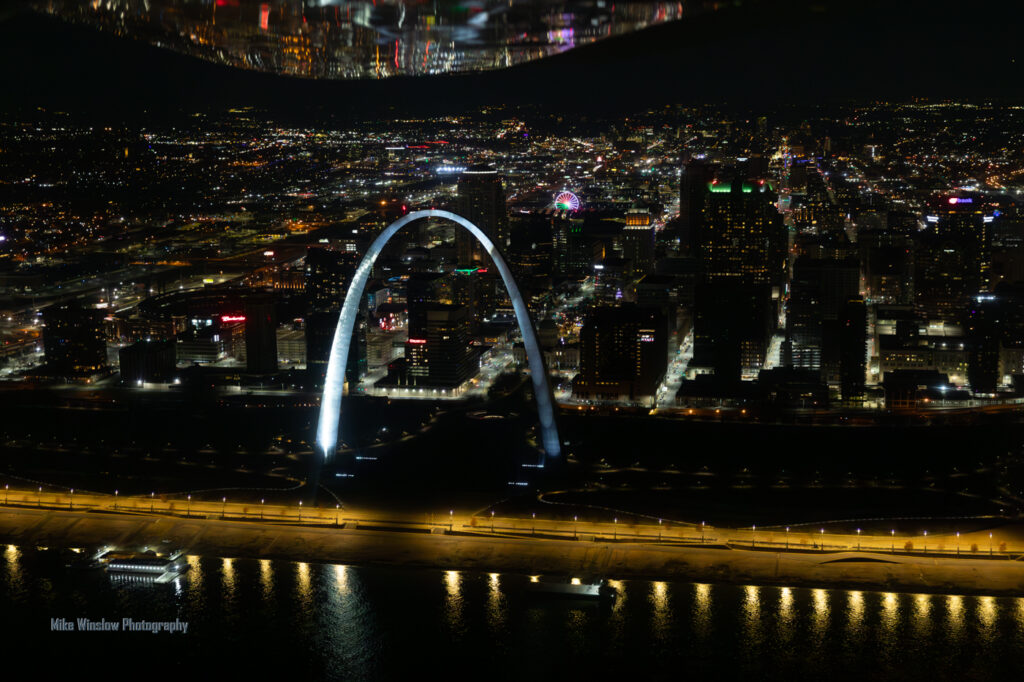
{"type": "Point", "coordinates": [195, 571]}
{"type": "Point", "coordinates": [819, 619]}
{"type": "Point", "coordinates": [266, 577]}
{"type": "Point", "coordinates": [890, 611]}
{"type": "Point", "coordinates": [752, 612]}
{"type": "Point", "coordinates": [922, 605]}
{"type": "Point", "coordinates": [856, 602]}
{"type": "Point", "coordinates": [341, 578]}
{"type": "Point", "coordinates": [662, 615]}
{"type": "Point", "coordinates": [702, 612]}
{"type": "Point", "coordinates": [921, 621]}
{"type": "Point", "coordinates": [452, 581]}
{"type": "Point", "coordinates": [955, 611]}
{"type": "Point", "coordinates": [453, 599]}
{"type": "Point", "coordinates": [422, 38]}
{"type": "Point", "coordinates": [786, 602]}
{"type": "Point", "coordinates": [305, 590]}
{"type": "Point", "coordinates": [987, 611]}
{"type": "Point", "coordinates": [12, 556]}
{"type": "Point", "coordinates": [620, 595]}
{"type": "Point", "coordinates": [495, 603]}
{"type": "Point", "coordinates": [228, 571]}
{"type": "Point", "coordinates": [854, 615]}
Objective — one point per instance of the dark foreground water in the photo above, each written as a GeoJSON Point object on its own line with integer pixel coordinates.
{"type": "Point", "coordinates": [253, 619]}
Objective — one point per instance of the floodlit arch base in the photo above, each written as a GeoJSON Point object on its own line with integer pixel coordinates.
{"type": "Point", "coordinates": [330, 404]}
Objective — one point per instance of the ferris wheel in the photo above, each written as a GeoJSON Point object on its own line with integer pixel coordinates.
{"type": "Point", "coordinates": [567, 201]}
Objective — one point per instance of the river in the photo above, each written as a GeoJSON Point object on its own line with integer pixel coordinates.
{"type": "Point", "coordinates": [260, 619]}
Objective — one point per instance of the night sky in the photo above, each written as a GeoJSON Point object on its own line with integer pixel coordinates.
{"type": "Point", "coordinates": [760, 53]}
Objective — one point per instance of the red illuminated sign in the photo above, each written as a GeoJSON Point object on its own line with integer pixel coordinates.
{"type": "Point", "coordinates": [417, 340]}
{"type": "Point", "coordinates": [232, 318]}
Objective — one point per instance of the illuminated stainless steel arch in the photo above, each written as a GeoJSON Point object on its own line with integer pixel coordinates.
{"type": "Point", "coordinates": [330, 405]}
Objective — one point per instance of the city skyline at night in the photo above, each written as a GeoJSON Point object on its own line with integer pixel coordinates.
{"type": "Point", "coordinates": [525, 340]}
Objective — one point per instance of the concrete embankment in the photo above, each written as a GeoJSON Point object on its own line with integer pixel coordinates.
{"type": "Point", "coordinates": [209, 537]}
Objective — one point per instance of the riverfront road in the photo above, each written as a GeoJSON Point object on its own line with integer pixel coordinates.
{"type": "Point", "coordinates": [508, 552]}
{"type": "Point", "coordinates": [1003, 540]}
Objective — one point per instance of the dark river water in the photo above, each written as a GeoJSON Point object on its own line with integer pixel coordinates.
{"type": "Point", "coordinates": [258, 619]}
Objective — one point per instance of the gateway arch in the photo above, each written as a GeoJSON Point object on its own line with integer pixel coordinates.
{"type": "Point", "coordinates": [330, 404]}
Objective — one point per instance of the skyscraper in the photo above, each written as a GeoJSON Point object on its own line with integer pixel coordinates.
{"type": "Point", "coordinates": [328, 274]}
{"type": "Point", "coordinates": [623, 353]}
{"type": "Point", "coordinates": [853, 331]}
{"type": "Point", "coordinates": [638, 241]}
{"type": "Point", "coordinates": [695, 176]}
{"type": "Point", "coordinates": [952, 260]}
{"type": "Point", "coordinates": [480, 200]}
{"type": "Point", "coordinates": [438, 351]}
{"type": "Point", "coordinates": [819, 290]}
{"type": "Point", "coordinates": [742, 259]}
{"type": "Point", "coordinates": [261, 334]}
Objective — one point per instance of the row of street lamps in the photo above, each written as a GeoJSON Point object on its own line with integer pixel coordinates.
{"type": "Point", "coordinates": [533, 531]}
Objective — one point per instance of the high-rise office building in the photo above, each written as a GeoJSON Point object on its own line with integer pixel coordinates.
{"type": "Point", "coordinates": [480, 200]}
{"type": "Point", "coordinates": [819, 290]}
{"type": "Point", "coordinates": [953, 259]}
{"type": "Point", "coordinates": [623, 353]}
{"type": "Point", "coordinates": [328, 274]}
{"type": "Point", "coordinates": [888, 262]}
{"type": "Point", "coordinates": [742, 238]}
{"type": "Point", "coordinates": [695, 176]}
{"type": "Point", "coordinates": [742, 260]}
{"type": "Point", "coordinates": [853, 331]}
{"type": "Point", "coordinates": [573, 250]}
{"type": "Point", "coordinates": [530, 253]}
{"type": "Point", "coordinates": [637, 241]}
{"type": "Point", "coordinates": [261, 334]}
{"type": "Point", "coordinates": [438, 353]}
{"type": "Point", "coordinates": [986, 326]}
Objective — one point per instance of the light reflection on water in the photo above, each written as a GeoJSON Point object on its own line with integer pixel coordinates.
{"type": "Point", "coordinates": [341, 576]}
{"type": "Point", "coordinates": [786, 614]}
{"type": "Point", "coordinates": [855, 617]}
{"type": "Point", "coordinates": [955, 613]}
{"type": "Point", "coordinates": [662, 614]}
{"type": "Point", "coordinates": [266, 578]}
{"type": "Point", "coordinates": [702, 610]}
{"type": "Point", "coordinates": [349, 616]}
{"type": "Point", "coordinates": [752, 614]}
{"type": "Point", "coordinates": [305, 593]}
{"type": "Point", "coordinates": [495, 603]}
{"type": "Point", "coordinates": [11, 555]}
{"type": "Point", "coordinates": [453, 600]}
{"type": "Point", "coordinates": [228, 576]}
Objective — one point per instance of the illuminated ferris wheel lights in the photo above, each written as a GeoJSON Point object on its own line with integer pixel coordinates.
{"type": "Point", "coordinates": [567, 201]}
